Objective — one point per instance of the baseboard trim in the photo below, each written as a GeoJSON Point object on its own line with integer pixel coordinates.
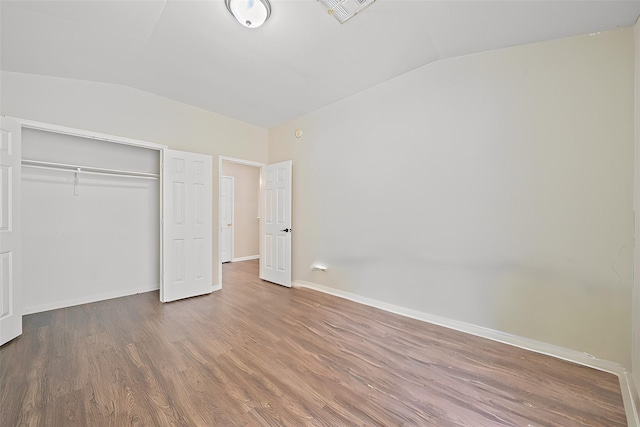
{"type": "Point", "coordinates": [627, 385]}
{"type": "Point", "coordinates": [87, 299]}
{"type": "Point", "coordinates": [93, 298]}
{"type": "Point", "coordinates": [245, 258]}
{"type": "Point", "coordinates": [630, 398]}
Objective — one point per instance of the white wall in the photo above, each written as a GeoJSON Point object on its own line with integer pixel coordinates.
{"type": "Point", "coordinates": [495, 189]}
{"type": "Point", "coordinates": [123, 111]}
{"type": "Point", "coordinates": [127, 112]}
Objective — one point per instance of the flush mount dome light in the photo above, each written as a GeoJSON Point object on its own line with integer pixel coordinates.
{"type": "Point", "coordinates": [250, 13]}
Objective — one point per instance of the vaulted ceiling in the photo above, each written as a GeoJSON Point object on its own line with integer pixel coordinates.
{"type": "Point", "coordinates": [300, 60]}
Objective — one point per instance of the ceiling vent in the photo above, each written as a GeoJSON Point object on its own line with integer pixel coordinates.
{"type": "Point", "coordinates": [343, 10]}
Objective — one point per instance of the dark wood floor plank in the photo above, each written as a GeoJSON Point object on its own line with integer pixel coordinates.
{"type": "Point", "coordinates": [260, 354]}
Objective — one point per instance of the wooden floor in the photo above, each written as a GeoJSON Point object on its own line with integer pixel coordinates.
{"type": "Point", "coordinates": [259, 354]}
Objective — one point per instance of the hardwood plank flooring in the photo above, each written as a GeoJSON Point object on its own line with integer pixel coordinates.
{"type": "Point", "coordinates": [257, 354]}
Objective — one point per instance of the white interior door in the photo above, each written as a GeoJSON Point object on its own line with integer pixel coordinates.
{"type": "Point", "coordinates": [275, 223]}
{"type": "Point", "coordinates": [226, 218]}
{"type": "Point", "coordinates": [10, 251]}
{"type": "Point", "coordinates": [187, 225]}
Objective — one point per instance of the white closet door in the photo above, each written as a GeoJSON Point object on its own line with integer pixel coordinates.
{"type": "Point", "coordinates": [10, 258]}
{"type": "Point", "coordinates": [187, 225]}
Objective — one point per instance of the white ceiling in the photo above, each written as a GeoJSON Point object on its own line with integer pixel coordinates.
{"type": "Point", "coordinates": [300, 60]}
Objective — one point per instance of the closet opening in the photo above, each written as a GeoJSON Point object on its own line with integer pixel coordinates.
{"type": "Point", "coordinates": [91, 218]}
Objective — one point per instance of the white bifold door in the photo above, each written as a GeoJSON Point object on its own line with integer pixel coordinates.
{"type": "Point", "coordinates": [10, 261]}
{"type": "Point", "coordinates": [275, 223]}
{"type": "Point", "coordinates": [187, 225]}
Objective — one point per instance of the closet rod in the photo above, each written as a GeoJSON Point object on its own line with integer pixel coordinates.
{"type": "Point", "coordinates": [87, 169]}
{"type": "Point", "coordinates": [89, 172]}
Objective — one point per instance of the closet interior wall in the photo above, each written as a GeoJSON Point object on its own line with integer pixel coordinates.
{"type": "Point", "coordinates": [87, 236]}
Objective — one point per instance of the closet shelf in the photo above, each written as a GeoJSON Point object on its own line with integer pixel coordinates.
{"type": "Point", "coordinates": [87, 169]}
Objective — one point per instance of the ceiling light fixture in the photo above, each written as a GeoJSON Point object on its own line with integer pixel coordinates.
{"type": "Point", "coordinates": [250, 13]}
{"type": "Point", "coordinates": [343, 10]}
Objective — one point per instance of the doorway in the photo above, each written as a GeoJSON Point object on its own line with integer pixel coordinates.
{"type": "Point", "coordinates": [239, 206]}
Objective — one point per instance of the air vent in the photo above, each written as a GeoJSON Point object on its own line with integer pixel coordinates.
{"type": "Point", "coordinates": [343, 10]}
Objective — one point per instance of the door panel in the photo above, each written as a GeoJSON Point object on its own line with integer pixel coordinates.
{"type": "Point", "coordinates": [10, 249]}
{"type": "Point", "coordinates": [275, 235]}
{"type": "Point", "coordinates": [187, 225]}
{"type": "Point", "coordinates": [226, 218]}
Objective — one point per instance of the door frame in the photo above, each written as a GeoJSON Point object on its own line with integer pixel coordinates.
{"type": "Point", "coordinates": [233, 186]}
{"type": "Point", "coordinates": [160, 148]}
{"type": "Point", "coordinates": [242, 162]}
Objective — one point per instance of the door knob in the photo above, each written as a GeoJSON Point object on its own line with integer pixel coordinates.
{"type": "Point", "coordinates": [286, 230]}
{"type": "Point", "coordinates": [229, 225]}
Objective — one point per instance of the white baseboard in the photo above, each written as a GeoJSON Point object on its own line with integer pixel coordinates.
{"type": "Point", "coordinates": [87, 299]}
{"type": "Point", "coordinates": [629, 397]}
{"type": "Point", "coordinates": [245, 258]}
{"type": "Point", "coordinates": [93, 298]}
{"type": "Point", "coordinates": [627, 385]}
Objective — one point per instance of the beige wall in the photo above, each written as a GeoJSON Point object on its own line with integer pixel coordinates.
{"type": "Point", "coordinates": [122, 111]}
{"type": "Point", "coordinates": [246, 194]}
{"type": "Point", "coordinates": [495, 189]}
